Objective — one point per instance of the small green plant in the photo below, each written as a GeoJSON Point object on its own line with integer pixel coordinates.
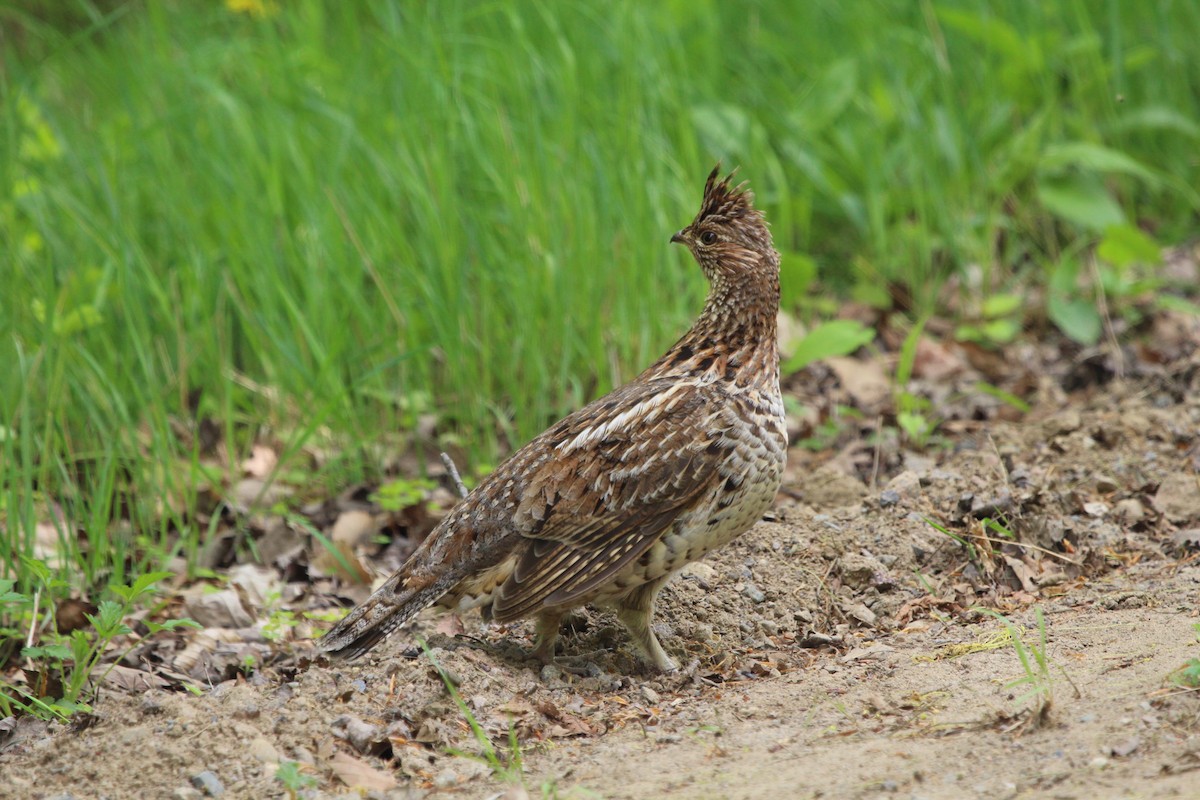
{"type": "Point", "coordinates": [402, 493]}
{"type": "Point", "coordinates": [67, 665]}
{"type": "Point", "coordinates": [291, 774]}
{"type": "Point", "coordinates": [1188, 676]}
{"type": "Point", "coordinates": [825, 434]}
{"type": "Point", "coordinates": [509, 767]}
{"type": "Point", "coordinates": [1120, 272]}
{"type": "Point", "coordinates": [1035, 663]}
{"type": "Point", "coordinates": [972, 553]}
{"type": "Point", "coordinates": [999, 321]}
{"type": "Point", "coordinates": [912, 415]}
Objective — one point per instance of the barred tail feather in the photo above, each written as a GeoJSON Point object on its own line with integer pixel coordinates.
{"type": "Point", "coordinates": [392, 605]}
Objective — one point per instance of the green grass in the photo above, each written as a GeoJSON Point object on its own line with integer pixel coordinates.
{"type": "Point", "coordinates": [318, 225]}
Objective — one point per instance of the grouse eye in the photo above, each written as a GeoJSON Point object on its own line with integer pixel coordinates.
{"type": "Point", "coordinates": [708, 237]}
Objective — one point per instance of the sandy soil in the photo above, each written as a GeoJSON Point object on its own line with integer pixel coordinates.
{"type": "Point", "coordinates": [833, 651]}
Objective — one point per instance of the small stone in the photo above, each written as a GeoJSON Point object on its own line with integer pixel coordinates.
{"type": "Point", "coordinates": [1187, 540]}
{"type": "Point", "coordinates": [364, 737]}
{"type": "Point", "coordinates": [1178, 497]}
{"type": "Point", "coordinates": [263, 750]}
{"type": "Point", "coordinates": [208, 783]}
{"type": "Point", "coordinates": [754, 593]}
{"type": "Point", "coordinates": [1099, 762]}
{"type": "Point", "coordinates": [445, 778]}
{"type": "Point", "coordinates": [649, 695]}
{"type": "Point", "coordinates": [861, 613]}
{"type": "Point", "coordinates": [1122, 749]}
{"type": "Point", "coordinates": [888, 498]}
{"type": "Point", "coordinates": [1095, 509]}
{"type": "Point", "coordinates": [860, 571]}
{"type": "Point", "coordinates": [991, 506]}
{"type": "Point", "coordinates": [701, 572]}
{"type": "Point", "coordinates": [1063, 423]}
{"type": "Point", "coordinates": [551, 673]}
{"type": "Point", "coordinates": [1106, 484]}
{"type": "Point", "coordinates": [667, 738]}
{"type": "Point", "coordinates": [907, 485]}
{"type": "Point", "coordinates": [186, 793]}
{"type": "Point", "coordinates": [1130, 511]}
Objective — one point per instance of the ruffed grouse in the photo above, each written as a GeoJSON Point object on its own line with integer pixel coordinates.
{"type": "Point", "coordinates": [610, 502]}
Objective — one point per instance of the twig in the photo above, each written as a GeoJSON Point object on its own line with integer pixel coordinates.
{"type": "Point", "coordinates": [1102, 306]}
{"type": "Point", "coordinates": [37, 596]}
{"type": "Point", "coordinates": [453, 470]}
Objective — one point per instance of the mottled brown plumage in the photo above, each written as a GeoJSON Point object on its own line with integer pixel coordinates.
{"type": "Point", "coordinates": [611, 501]}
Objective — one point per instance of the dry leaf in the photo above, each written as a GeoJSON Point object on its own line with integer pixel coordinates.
{"type": "Point", "coordinates": [865, 381]}
{"type": "Point", "coordinates": [261, 463]}
{"type": "Point", "coordinates": [358, 774]}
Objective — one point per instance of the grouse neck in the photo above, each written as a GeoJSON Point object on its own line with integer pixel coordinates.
{"type": "Point", "coordinates": [734, 339]}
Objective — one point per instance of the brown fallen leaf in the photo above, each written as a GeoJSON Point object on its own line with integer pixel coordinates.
{"type": "Point", "coordinates": [864, 380]}
{"type": "Point", "coordinates": [354, 527]}
{"type": "Point", "coordinates": [261, 463]}
{"type": "Point", "coordinates": [133, 680]}
{"type": "Point", "coordinates": [358, 774]}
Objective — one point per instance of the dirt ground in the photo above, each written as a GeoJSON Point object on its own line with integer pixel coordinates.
{"type": "Point", "coordinates": [833, 651]}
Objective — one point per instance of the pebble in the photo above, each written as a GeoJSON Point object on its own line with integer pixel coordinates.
{"type": "Point", "coordinates": [1130, 511]}
{"type": "Point", "coordinates": [1122, 749]}
{"type": "Point", "coordinates": [699, 571]}
{"type": "Point", "coordinates": [208, 783]}
{"type": "Point", "coordinates": [754, 593]}
{"type": "Point", "coordinates": [186, 793]}
{"type": "Point", "coordinates": [650, 695]}
{"type": "Point", "coordinates": [263, 750]}
{"type": "Point", "coordinates": [363, 736]}
{"type": "Point", "coordinates": [445, 778]}
{"type": "Point", "coordinates": [551, 673]}
{"type": "Point", "coordinates": [888, 498]}
{"type": "Point", "coordinates": [861, 613]}
{"type": "Point", "coordinates": [1178, 497]}
{"type": "Point", "coordinates": [906, 485]}
{"type": "Point", "coordinates": [860, 571]}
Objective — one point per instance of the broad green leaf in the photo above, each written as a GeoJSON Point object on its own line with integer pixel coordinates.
{"type": "Point", "coordinates": [1076, 318]}
{"type": "Point", "coordinates": [1174, 303]}
{"type": "Point", "coordinates": [1001, 330]}
{"type": "Point", "coordinates": [1084, 202]}
{"type": "Point", "coordinates": [58, 652]}
{"type": "Point", "coordinates": [1126, 245]}
{"type": "Point", "coordinates": [140, 585]}
{"type": "Point", "coordinates": [837, 337]}
{"type": "Point", "coordinates": [1094, 158]}
{"type": "Point", "coordinates": [172, 624]}
{"type": "Point", "coordinates": [1158, 118]}
{"type": "Point", "coordinates": [1000, 305]}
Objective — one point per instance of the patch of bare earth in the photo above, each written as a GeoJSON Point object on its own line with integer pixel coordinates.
{"type": "Point", "coordinates": [834, 651]}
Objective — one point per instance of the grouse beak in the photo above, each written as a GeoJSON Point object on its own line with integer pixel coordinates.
{"type": "Point", "coordinates": [677, 238]}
